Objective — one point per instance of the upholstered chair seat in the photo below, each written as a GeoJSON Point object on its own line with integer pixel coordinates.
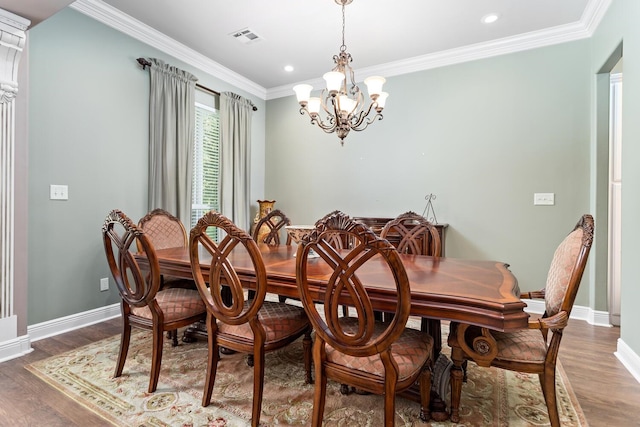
{"type": "Point", "coordinates": [278, 320]}
{"type": "Point", "coordinates": [527, 345]}
{"type": "Point", "coordinates": [175, 303]}
{"type": "Point", "coordinates": [410, 351]}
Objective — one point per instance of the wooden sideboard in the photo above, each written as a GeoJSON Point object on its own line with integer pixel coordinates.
{"type": "Point", "coordinates": [377, 224]}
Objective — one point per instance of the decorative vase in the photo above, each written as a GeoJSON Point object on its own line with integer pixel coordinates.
{"type": "Point", "coordinates": [265, 206]}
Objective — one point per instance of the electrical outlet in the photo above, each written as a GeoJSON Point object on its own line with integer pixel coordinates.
{"type": "Point", "coordinates": [104, 284]}
{"type": "Point", "coordinates": [547, 199]}
{"type": "Point", "coordinates": [58, 192]}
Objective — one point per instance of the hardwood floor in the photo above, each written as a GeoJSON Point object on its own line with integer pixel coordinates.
{"type": "Point", "coordinates": [608, 394]}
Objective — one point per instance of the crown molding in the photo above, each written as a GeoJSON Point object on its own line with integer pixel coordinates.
{"type": "Point", "coordinates": [582, 29]}
{"type": "Point", "coordinates": [108, 15]}
{"type": "Point", "coordinates": [13, 20]}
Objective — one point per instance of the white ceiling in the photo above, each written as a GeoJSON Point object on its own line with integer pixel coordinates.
{"type": "Point", "coordinates": [385, 36]}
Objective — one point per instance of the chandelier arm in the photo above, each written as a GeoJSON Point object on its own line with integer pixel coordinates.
{"type": "Point", "coordinates": [359, 118]}
{"type": "Point", "coordinates": [327, 127]}
{"type": "Point", "coordinates": [316, 120]}
{"type": "Point", "coordinates": [369, 120]}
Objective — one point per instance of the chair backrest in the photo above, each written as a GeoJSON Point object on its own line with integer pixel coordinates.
{"type": "Point", "coordinates": [163, 229]}
{"type": "Point", "coordinates": [273, 223]}
{"type": "Point", "coordinates": [221, 271]}
{"type": "Point", "coordinates": [413, 234]}
{"type": "Point", "coordinates": [120, 235]}
{"type": "Point", "coordinates": [345, 287]}
{"type": "Point", "coordinates": [567, 267]}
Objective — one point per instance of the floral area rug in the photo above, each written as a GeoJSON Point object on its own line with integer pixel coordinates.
{"type": "Point", "coordinates": [490, 397]}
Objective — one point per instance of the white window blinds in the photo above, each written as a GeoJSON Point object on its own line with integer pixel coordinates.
{"type": "Point", "coordinates": [206, 162]}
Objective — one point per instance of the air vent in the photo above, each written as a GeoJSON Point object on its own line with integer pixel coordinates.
{"type": "Point", "coordinates": [246, 36]}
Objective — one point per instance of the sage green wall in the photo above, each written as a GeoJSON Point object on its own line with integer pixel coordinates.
{"type": "Point", "coordinates": [621, 25]}
{"type": "Point", "coordinates": [483, 136]}
{"type": "Point", "coordinates": [88, 129]}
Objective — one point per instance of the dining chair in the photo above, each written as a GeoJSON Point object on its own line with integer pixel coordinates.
{"type": "Point", "coordinates": [535, 350]}
{"type": "Point", "coordinates": [274, 223]}
{"type": "Point", "coordinates": [143, 303]}
{"type": "Point", "coordinates": [164, 230]}
{"type": "Point", "coordinates": [358, 350]}
{"type": "Point", "coordinates": [413, 234]}
{"type": "Point", "coordinates": [252, 326]}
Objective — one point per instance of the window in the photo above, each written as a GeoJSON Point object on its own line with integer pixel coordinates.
{"type": "Point", "coordinates": [206, 162]}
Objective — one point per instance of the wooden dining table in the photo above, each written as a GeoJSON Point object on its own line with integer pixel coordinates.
{"type": "Point", "coordinates": [479, 293]}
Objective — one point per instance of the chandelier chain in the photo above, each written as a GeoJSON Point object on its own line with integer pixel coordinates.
{"type": "Point", "coordinates": [343, 48]}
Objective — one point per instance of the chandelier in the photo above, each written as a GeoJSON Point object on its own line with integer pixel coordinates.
{"type": "Point", "coordinates": [342, 100]}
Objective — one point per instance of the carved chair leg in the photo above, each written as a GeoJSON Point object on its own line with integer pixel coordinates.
{"type": "Point", "coordinates": [124, 348]}
{"type": "Point", "coordinates": [173, 336]}
{"type": "Point", "coordinates": [319, 397]}
{"type": "Point", "coordinates": [306, 346]}
{"type": "Point", "coordinates": [213, 356]}
{"type": "Point", "coordinates": [156, 358]}
{"type": "Point", "coordinates": [345, 389]}
{"type": "Point", "coordinates": [548, 382]}
{"type": "Point", "coordinates": [425, 394]}
{"type": "Point", "coordinates": [258, 385]}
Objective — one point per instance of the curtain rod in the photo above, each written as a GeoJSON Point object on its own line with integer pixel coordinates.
{"type": "Point", "coordinates": [145, 64]}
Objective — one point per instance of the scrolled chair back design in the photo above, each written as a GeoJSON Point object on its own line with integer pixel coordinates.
{"type": "Point", "coordinates": [417, 235]}
{"type": "Point", "coordinates": [234, 311]}
{"type": "Point", "coordinates": [270, 228]}
{"type": "Point", "coordinates": [345, 287]}
{"type": "Point", "coordinates": [121, 235]}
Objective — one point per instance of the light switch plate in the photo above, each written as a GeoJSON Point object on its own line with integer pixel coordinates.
{"type": "Point", "coordinates": [545, 199]}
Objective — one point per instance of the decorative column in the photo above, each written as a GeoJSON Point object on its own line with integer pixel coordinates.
{"type": "Point", "coordinates": [12, 40]}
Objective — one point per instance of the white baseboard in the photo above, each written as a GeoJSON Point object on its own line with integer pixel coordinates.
{"type": "Point", "coordinates": [16, 347]}
{"type": "Point", "coordinates": [13, 348]}
{"type": "Point", "coordinates": [75, 321]}
{"type": "Point", "coordinates": [629, 359]}
{"type": "Point", "coordinates": [593, 317]}
{"type": "Point", "coordinates": [624, 353]}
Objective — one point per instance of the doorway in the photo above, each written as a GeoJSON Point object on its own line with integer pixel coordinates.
{"type": "Point", "coordinates": [615, 192]}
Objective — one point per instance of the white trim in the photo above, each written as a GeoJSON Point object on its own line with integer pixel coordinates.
{"type": "Point", "coordinates": [15, 348]}
{"type": "Point", "coordinates": [75, 321]}
{"type": "Point", "coordinates": [629, 359]}
{"type": "Point", "coordinates": [108, 15]}
{"type": "Point", "coordinates": [582, 29]}
{"type": "Point", "coordinates": [8, 328]}
{"type": "Point", "coordinates": [593, 317]}
{"type": "Point", "coordinates": [22, 345]}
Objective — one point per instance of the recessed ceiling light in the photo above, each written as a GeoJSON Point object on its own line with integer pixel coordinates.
{"type": "Point", "coordinates": [490, 18]}
{"type": "Point", "coordinates": [288, 68]}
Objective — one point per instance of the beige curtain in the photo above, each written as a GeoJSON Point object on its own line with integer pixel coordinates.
{"type": "Point", "coordinates": [235, 155]}
{"type": "Point", "coordinates": [171, 133]}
